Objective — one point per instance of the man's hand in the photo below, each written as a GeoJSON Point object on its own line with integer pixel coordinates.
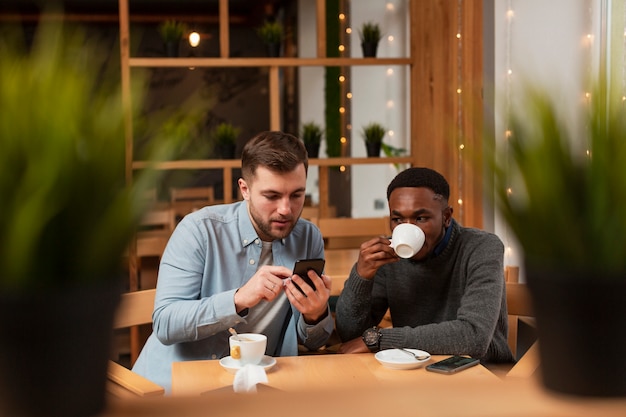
{"type": "Point", "coordinates": [313, 304]}
{"type": "Point", "coordinates": [265, 284]}
{"type": "Point", "coordinates": [354, 346]}
{"type": "Point", "coordinates": [373, 254]}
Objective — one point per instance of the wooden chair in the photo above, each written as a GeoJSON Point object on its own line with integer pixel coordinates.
{"type": "Point", "coordinates": [186, 200]}
{"type": "Point", "coordinates": [520, 311]}
{"type": "Point", "coordinates": [351, 232]}
{"type": "Point", "coordinates": [135, 309]}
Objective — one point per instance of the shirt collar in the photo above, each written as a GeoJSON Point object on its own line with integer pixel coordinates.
{"type": "Point", "coordinates": [444, 242]}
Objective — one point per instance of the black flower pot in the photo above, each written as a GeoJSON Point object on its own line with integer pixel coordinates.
{"type": "Point", "coordinates": [373, 149]}
{"type": "Point", "coordinates": [313, 149]}
{"type": "Point", "coordinates": [171, 49]}
{"type": "Point", "coordinates": [581, 317]}
{"type": "Point", "coordinates": [55, 350]}
{"type": "Point", "coordinates": [226, 150]}
{"type": "Point", "coordinates": [369, 49]}
{"type": "Point", "coordinates": [273, 50]}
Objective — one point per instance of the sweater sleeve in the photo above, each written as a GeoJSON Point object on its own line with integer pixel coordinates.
{"type": "Point", "coordinates": [355, 310]}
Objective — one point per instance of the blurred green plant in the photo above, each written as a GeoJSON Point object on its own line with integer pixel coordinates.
{"type": "Point", "coordinates": [373, 133]}
{"type": "Point", "coordinates": [172, 30]}
{"type": "Point", "coordinates": [562, 189]}
{"type": "Point", "coordinates": [67, 212]}
{"type": "Point", "coordinates": [370, 32]}
{"type": "Point", "coordinates": [271, 32]}
{"type": "Point", "coordinates": [225, 134]}
{"type": "Point", "coordinates": [312, 133]}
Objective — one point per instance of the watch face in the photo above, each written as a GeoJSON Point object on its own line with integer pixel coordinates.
{"type": "Point", "coordinates": [370, 337]}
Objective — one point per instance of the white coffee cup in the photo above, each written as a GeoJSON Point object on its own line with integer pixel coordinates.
{"type": "Point", "coordinates": [407, 239]}
{"type": "Point", "coordinates": [247, 348]}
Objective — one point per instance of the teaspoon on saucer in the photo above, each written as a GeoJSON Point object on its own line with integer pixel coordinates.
{"type": "Point", "coordinates": [416, 357]}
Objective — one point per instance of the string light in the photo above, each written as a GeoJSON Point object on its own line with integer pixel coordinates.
{"type": "Point", "coordinates": [194, 39]}
{"type": "Point", "coordinates": [459, 90]}
{"type": "Point", "coordinates": [510, 14]}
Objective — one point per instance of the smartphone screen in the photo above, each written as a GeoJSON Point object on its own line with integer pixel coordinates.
{"type": "Point", "coordinates": [452, 364]}
{"type": "Point", "coordinates": [303, 266]}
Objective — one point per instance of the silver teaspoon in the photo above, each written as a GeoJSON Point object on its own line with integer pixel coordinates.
{"type": "Point", "coordinates": [417, 357]}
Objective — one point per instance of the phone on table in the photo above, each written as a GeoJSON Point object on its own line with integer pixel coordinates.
{"type": "Point", "coordinates": [302, 267]}
{"type": "Point", "coordinates": [452, 365]}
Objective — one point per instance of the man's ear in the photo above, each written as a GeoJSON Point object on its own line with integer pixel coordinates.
{"type": "Point", "coordinates": [447, 216]}
{"type": "Point", "coordinates": [243, 187]}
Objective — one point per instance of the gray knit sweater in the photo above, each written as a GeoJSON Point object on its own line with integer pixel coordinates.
{"type": "Point", "coordinates": [454, 303]}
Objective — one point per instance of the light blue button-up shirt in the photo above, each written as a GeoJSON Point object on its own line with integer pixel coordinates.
{"type": "Point", "coordinates": [213, 252]}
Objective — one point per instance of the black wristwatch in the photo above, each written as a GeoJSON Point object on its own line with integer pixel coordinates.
{"type": "Point", "coordinates": [372, 337]}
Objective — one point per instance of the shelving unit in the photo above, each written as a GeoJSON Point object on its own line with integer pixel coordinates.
{"type": "Point", "coordinates": [274, 65]}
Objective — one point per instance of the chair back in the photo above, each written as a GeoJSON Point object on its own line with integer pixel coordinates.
{"type": "Point", "coordinates": [135, 309]}
{"type": "Point", "coordinates": [186, 200]}
{"type": "Point", "coordinates": [519, 305]}
{"type": "Point", "coordinates": [351, 231]}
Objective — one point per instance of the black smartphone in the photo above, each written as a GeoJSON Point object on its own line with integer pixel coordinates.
{"type": "Point", "coordinates": [452, 365]}
{"type": "Point", "coordinates": [302, 267]}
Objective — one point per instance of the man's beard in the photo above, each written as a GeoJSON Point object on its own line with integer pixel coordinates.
{"type": "Point", "coordinates": [266, 227]}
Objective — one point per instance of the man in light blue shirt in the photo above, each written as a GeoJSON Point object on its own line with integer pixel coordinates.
{"type": "Point", "coordinates": [230, 266]}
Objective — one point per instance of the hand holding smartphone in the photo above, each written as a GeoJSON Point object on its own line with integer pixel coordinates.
{"type": "Point", "coordinates": [452, 365]}
{"type": "Point", "coordinates": [302, 267]}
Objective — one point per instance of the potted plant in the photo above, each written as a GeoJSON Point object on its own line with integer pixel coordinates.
{"type": "Point", "coordinates": [172, 32]}
{"type": "Point", "coordinates": [312, 138]}
{"type": "Point", "coordinates": [272, 34]}
{"type": "Point", "coordinates": [224, 139]}
{"type": "Point", "coordinates": [562, 191]}
{"type": "Point", "coordinates": [370, 36]}
{"type": "Point", "coordinates": [373, 135]}
{"type": "Point", "coordinates": [67, 215]}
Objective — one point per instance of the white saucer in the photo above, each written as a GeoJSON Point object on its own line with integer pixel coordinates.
{"type": "Point", "coordinates": [396, 359]}
{"type": "Point", "coordinates": [232, 366]}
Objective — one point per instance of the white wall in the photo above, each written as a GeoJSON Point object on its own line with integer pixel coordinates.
{"type": "Point", "coordinates": [380, 94]}
{"type": "Point", "coordinates": [547, 43]}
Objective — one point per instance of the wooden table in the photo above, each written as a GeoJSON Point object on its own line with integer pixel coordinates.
{"type": "Point", "coordinates": [314, 386]}
{"type": "Point", "coordinates": [339, 263]}
{"type": "Point", "coordinates": [315, 372]}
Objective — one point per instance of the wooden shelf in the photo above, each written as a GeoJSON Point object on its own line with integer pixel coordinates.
{"type": "Point", "coordinates": [264, 62]}
{"type": "Point", "coordinates": [236, 163]}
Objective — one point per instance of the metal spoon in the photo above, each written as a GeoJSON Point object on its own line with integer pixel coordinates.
{"type": "Point", "coordinates": [234, 333]}
{"type": "Point", "coordinates": [417, 357]}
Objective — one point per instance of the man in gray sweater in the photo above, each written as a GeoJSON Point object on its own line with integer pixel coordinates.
{"type": "Point", "coordinates": [449, 298]}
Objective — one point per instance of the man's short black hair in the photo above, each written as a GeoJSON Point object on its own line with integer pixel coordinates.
{"type": "Point", "coordinates": [420, 177]}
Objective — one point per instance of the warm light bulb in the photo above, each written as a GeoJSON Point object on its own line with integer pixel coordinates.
{"type": "Point", "coordinates": [389, 71]}
{"type": "Point", "coordinates": [342, 16]}
{"type": "Point", "coordinates": [390, 7]}
{"type": "Point", "coordinates": [348, 30]}
{"type": "Point", "coordinates": [342, 78]}
{"type": "Point", "coordinates": [458, 91]}
{"type": "Point", "coordinates": [507, 134]}
{"type": "Point", "coordinates": [461, 146]}
{"type": "Point", "coordinates": [342, 168]}
{"type": "Point", "coordinates": [343, 139]}
{"type": "Point", "coordinates": [194, 39]}
{"type": "Point", "coordinates": [342, 110]}
{"type": "Point", "coordinates": [390, 38]}
{"type": "Point", "coordinates": [460, 201]}
{"type": "Point", "coordinates": [458, 36]}
{"type": "Point", "coordinates": [510, 14]}
{"type": "Point", "coordinates": [390, 104]}
{"type": "Point", "coordinates": [341, 48]}
{"type": "Point", "coordinates": [509, 191]}
{"type": "Point", "coordinates": [391, 133]}
{"type": "Point", "coordinates": [510, 71]}
{"type": "Point", "coordinates": [348, 95]}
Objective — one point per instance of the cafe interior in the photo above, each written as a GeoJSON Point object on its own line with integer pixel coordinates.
{"type": "Point", "coordinates": [441, 84]}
